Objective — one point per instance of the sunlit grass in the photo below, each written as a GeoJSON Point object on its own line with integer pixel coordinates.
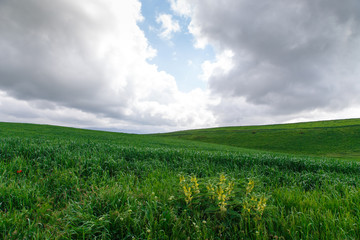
{"type": "Point", "coordinates": [337, 138]}
{"type": "Point", "coordinates": [101, 186]}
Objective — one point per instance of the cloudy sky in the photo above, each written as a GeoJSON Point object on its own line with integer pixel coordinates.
{"type": "Point", "coordinates": [165, 65]}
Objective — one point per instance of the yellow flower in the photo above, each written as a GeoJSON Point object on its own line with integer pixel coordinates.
{"type": "Point", "coordinates": [182, 179]}
{"type": "Point", "coordinates": [250, 187]}
{"type": "Point", "coordinates": [188, 193]}
{"type": "Point", "coordinates": [229, 188]}
{"type": "Point", "coordinates": [219, 191]}
{"type": "Point", "coordinates": [246, 207]}
{"type": "Point", "coordinates": [223, 208]}
{"type": "Point", "coordinates": [211, 191]}
{"type": "Point", "coordinates": [195, 185]}
{"type": "Point", "coordinates": [193, 179]}
{"type": "Point", "coordinates": [261, 205]}
{"type": "Point", "coordinates": [222, 178]}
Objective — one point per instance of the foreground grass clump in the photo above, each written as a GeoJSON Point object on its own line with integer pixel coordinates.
{"type": "Point", "coordinates": [59, 183]}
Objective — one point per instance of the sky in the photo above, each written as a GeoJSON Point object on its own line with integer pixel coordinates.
{"type": "Point", "coordinates": [165, 65]}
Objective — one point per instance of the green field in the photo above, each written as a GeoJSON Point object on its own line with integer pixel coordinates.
{"type": "Point", "coordinates": [337, 138]}
{"type": "Point", "coordinates": [260, 182]}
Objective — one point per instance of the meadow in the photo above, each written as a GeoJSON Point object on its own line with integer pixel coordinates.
{"type": "Point", "coordinates": [67, 183]}
{"type": "Point", "coordinates": [336, 138]}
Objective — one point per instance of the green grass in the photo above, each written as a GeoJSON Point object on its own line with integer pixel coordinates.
{"type": "Point", "coordinates": [338, 138]}
{"type": "Point", "coordinates": [82, 184]}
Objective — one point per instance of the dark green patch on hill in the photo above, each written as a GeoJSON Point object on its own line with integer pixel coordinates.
{"type": "Point", "coordinates": [337, 138]}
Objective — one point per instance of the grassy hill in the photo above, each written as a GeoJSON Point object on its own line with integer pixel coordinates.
{"type": "Point", "coordinates": [337, 138]}
{"type": "Point", "coordinates": [67, 183]}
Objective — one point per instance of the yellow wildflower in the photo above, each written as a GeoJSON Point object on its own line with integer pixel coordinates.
{"type": "Point", "coordinates": [223, 208]}
{"type": "Point", "coordinates": [250, 187]}
{"type": "Point", "coordinates": [222, 178]}
{"type": "Point", "coordinates": [188, 194]}
{"type": "Point", "coordinates": [195, 185]}
{"type": "Point", "coordinates": [211, 191]}
{"type": "Point", "coordinates": [261, 205]}
{"type": "Point", "coordinates": [182, 179]}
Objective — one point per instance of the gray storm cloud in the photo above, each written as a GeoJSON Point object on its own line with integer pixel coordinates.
{"type": "Point", "coordinates": [46, 51]}
{"type": "Point", "coordinates": [87, 61]}
{"type": "Point", "coordinates": [289, 56]}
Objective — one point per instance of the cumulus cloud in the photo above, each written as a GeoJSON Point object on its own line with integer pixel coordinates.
{"type": "Point", "coordinates": [87, 62]}
{"type": "Point", "coordinates": [221, 66]}
{"type": "Point", "coordinates": [168, 26]}
{"type": "Point", "coordinates": [290, 58]}
{"type": "Point", "coordinates": [181, 7]}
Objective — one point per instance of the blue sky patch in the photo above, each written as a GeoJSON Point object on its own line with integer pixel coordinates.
{"type": "Point", "coordinates": [177, 55]}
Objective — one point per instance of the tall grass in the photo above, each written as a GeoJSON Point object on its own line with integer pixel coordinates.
{"type": "Point", "coordinates": [93, 185]}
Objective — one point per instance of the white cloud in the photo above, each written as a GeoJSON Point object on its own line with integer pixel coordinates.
{"type": "Point", "coordinates": [168, 26]}
{"type": "Point", "coordinates": [86, 61]}
{"type": "Point", "coordinates": [181, 7]}
{"type": "Point", "coordinates": [221, 66]}
{"type": "Point", "coordinates": [290, 59]}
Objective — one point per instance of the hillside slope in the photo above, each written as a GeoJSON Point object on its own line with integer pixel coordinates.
{"type": "Point", "coordinates": [59, 134]}
{"type": "Point", "coordinates": [337, 138]}
{"type": "Point", "coordinates": [67, 183]}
